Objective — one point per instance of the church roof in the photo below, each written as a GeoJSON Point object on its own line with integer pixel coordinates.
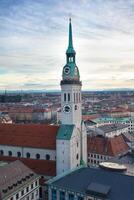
{"type": "Point", "coordinates": [29, 135]}
{"type": "Point", "coordinates": [65, 132]}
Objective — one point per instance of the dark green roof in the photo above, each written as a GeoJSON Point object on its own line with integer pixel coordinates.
{"type": "Point", "coordinates": [65, 132]}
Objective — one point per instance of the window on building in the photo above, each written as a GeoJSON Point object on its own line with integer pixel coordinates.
{"type": "Point", "coordinates": [77, 144]}
{"type": "Point", "coordinates": [19, 154]}
{"type": "Point", "coordinates": [28, 155]}
{"type": "Point", "coordinates": [17, 196]}
{"type": "Point", "coordinates": [75, 107]}
{"type": "Point", "coordinates": [79, 97]}
{"type": "Point", "coordinates": [27, 189]}
{"type": "Point", "coordinates": [71, 197]}
{"type": "Point", "coordinates": [74, 97]}
{"type": "Point", "coordinates": [62, 195]}
{"type": "Point", "coordinates": [32, 186]}
{"type": "Point", "coordinates": [32, 197]}
{"type": "Point", "coordinates": [36, 183]}
{"type": "Point", "coordinates": [1, 152]}
{"type": "Point", "coordinates": [36, 193]}
{"type": "Point", "coordinates": [54, 194]}
{"type": "Point", "coordinates": [47, 157]}
{"type": "Point", "coordinates": [70, 59]}
{"type": "Point", "coordinates": [64, 96]}
{"type": "Point", "coordinates": [68, 96]}
{"type": "Point", "coordinates": [27, 198]}
{"type": "Point", "coordinates": [37, 156]}
{"type": "Point", "coordinates": [10, 153]}
{"type": "Point", "coordinates": [77, 156]}
{"type": "Point", "coordinates": [22, 192]}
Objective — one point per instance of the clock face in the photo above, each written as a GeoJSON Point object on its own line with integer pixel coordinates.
{"type": "Point", "coordinates": [66, 70]}
{"type": "Point", "coordinates": [67, 109]}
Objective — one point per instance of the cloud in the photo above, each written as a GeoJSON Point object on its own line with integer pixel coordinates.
{"type": "Point", "coordinates": [34, 37]}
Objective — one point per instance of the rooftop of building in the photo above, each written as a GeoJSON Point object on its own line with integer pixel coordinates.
{"type": "Point", "coordinates": [97, 182]}
{"type": "Point", "coordinates": [112, 119]}
{"type": "Point", "coordinates": [42, 167]}
{"type": "Point", "coordinates": [107, 146]}
{"type": "Point", "coordinates": [107, 128]}
{"type": "Point", "coordinates": [29, 135]}
{"type": "Point", "coordinates": [13, 176]}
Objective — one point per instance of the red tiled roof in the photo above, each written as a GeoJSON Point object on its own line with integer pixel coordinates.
{"type": "Point", "coordinates": [106, 146]}
{"type": "Point", "coordinates": [41, 167]}
{"type": "Point", "coordinates": [29, 135]}
{"type": "Point", "coordinates": [90, 117]}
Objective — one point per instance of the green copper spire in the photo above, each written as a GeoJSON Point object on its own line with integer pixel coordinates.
{"type": "Point", "coordinates": [70, 42]}
{"type": "Point", "coordinates": [70, 45]}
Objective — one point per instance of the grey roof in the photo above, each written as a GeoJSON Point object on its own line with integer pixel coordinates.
{"type": "Point", "coordinates": [112, 127]}
{"type": "Point", "coordinates": [115, 185]}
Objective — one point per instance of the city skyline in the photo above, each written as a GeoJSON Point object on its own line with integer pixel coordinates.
{"type": "Point", "coordinates": [34, 38]}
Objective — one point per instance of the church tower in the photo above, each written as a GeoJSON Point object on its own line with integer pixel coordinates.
{"type": "Point", "coordinates": [71, 143]}
{"type": "Point", "coordinates": [70, 87]}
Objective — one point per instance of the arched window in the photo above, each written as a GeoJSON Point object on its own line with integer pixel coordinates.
{"type": "Point", "coordinates": [76, 97]}
{"type": "Point", "coordinates": [37, 156]}
{"type": "Point", "coordinates": [28, 155]}
{"type": "Point", "coordinates": [77, 156]}
{"type": "Point", "coordinates": [79, 97]}
{"type": "Point", "coordinates": [19, 154]}
{"type": "Point", "coordinates": [64, 96]}
{"type": "Point", "coordinates": [47, 157]}
{"type": "Point", "coordinates": [68, 96]}
{"type": "Point", "coordinates": [75, 107]}
{"type": "Point", "coordinates": [10, 153]}
{"type": "Point", "coordinates": [1, 152]}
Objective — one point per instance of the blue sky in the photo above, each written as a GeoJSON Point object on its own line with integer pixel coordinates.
{"type": "Point", "coordinates": [34, 37]}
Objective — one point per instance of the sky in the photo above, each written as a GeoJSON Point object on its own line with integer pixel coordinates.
{"type": "Point", "coordinates": [34, 39]}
